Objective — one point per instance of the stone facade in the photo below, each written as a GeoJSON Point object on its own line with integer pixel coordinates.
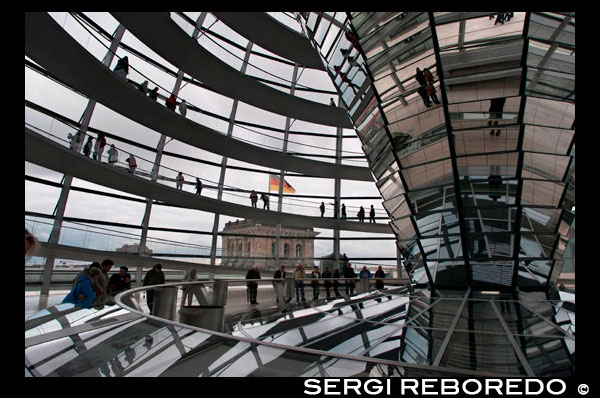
{"type": "Point", "coordinates": [253, 249]}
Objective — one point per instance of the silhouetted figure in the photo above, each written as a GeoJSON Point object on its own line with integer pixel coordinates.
{"type": "Point", "coordinates": [252, 285]}
{"type": "Point", "coordinates": [349, 273]}
{"type": "Point", "coordinates": [265, 200]}
{"type": "Point", "coordinates": [153, 277]}
{"type": "Point", "coordinates": [336, 282]}
{"type": "Point", "coordinates": [372, 215]}
{"type": "Point", "coordinates": [87, 148]}
{"type": "Point", "coordinates": [327, 275]}
{"type": "Point", "coordinates": [335, 209]}
{"type": "Point", "coordinates": [496, 110]}
{"type": "Point", "coordinates": [253, 198]}
{"type": "Point", "coordinates": [144, 87]}
{"type": "Point", "coordinates": [122, 67]}
{"type": "Point", "coordinates": [331, 102]}
{"type": "Point", "coordinates": [198, 186]}
{"type": "Point", "coordinates": [361, 214]}
{"type": "Point", "coordinates": [179, 181]}
{"type": "Point", "coordinates": [420, 77]}
{"type": "Point", "coordinates": [171, 102]}
{"type": "Point", "coordinates": [154, 94]}
{"type": "Point", "coordinates": [322, 208]}
{"type": "Point", "coordinates": [344, 212]}
{"type": "Point", "coordinates": [379, 275]}
{"type": "Point", "coordinates": [132, 164]}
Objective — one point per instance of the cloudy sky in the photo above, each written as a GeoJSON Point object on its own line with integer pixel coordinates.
{"type": "Point", "coordinates": [44, 92]}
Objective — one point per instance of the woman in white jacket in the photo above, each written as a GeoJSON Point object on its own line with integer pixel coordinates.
{"type": "Point", "coordinates": [113, 154]}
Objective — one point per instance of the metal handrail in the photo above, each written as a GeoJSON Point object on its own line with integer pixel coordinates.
{"type": "Point", "coordinates": [377, 361]}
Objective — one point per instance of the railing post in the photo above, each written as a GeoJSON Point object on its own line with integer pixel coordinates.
{"type": "Point", "coordinates": [165, 302]}
{"type": "Point", "coordinates": [220, 293]}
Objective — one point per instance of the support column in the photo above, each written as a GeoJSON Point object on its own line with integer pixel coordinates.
{"type": "Point", "coordinates": [156, 167]}
{"type": "Point", "coordinates": [67, 180]}
{"type": "Point", "coordinates": [282, 174]}
{"type": "Point", "coordinates": [337, 193]}
{"type": "Point", "coordinates": [215, 231]}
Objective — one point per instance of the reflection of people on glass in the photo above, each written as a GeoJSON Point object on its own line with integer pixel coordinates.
{"type": "Point", "coordinates": [346, 80]}
{"type": "Point", "coordinates": [430, 89]}
{"type": "Point", "coordinates": [496, 109]}
{"type": "Point", "coordinates": [352, 39]}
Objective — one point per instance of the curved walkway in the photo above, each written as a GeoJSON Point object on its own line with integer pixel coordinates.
{"type": "Point", "coordinates": [50, 46]}
{"type": "Point", "coordinates": [47, 153]}
{"type": "Point", "coordinates": [260, 28]}
{"type": "Point", "coordinates": [163, 36]}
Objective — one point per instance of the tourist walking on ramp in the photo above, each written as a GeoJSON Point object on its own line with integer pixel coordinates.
{"type": "Point", "coordinates": [122, 68]}
{"type": "Point", "coordinates": [113, 154]}
{"type": "Point", "coordinates": [253, 198]}
{"type": "Point", "coordinates": [87, 148]}
{"type": "Point", "coordinates": [99, 147]}
{"type": "Point", "coordinates": [179, 181]}
{"type": "Point", "coordinates": [132, 164]}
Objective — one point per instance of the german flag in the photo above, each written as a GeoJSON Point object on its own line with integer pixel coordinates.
{"type": "Point", "coordinates": [274, 185]}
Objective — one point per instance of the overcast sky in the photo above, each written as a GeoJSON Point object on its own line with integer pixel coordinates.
{"type": "Point", "coordinates": [44, 92]}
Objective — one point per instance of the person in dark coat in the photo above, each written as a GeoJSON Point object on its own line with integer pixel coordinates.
{"type": "Point", "coordinates": [349, 273]}
{"type": "Point", "coordinates": [322, 208]}
{"type": "Point", "coordinates": [427, 76]}
{"type": "Point", "coordinates": [361, 214]}
{"type": "Point", "coordinates": [154, 93]}
{"type": "Point", "coordinates": [423, 93]}
{"type": "Point", "coordinates": [122, 67]}
{"type": "Point", "coordinates": [87, 148]}
{"type": "Point", "coordinates": [420, 77]}
{"type": "Point", "coordinates": [372, 215]}
{"type": "Point", "coordinates": [171, 102]}
{"type": "Point", "coordinates": [253, 198]}
{"type": "Point", "coordinates": [119, 282]}
{"type": "Point", "coordinates": [496, 109]}
{"type": "Point", "coordinates": [327, 275]}
{"type": "Point", "coordinates": [253, 286]}
{"type": "Point", "coordinates": [198, 186]}
{"type": "Point", "coordinates": [336, 282]}
{"type": "Point", "coordinates": [379, 276]}
{"type": "Point", "coordinates": [265, 200]}
{"type": "Point", "coordinates": [344, 212]}
{"type": "Point", "coordinates": [153, 277]}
